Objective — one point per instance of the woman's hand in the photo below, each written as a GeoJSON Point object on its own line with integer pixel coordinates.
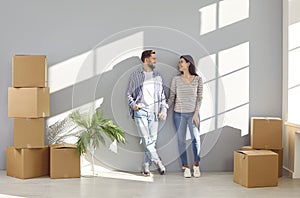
{"type": "Point", "coordinates": [162, 116]}
{"type": "Point", "coordinates": [196, 120]}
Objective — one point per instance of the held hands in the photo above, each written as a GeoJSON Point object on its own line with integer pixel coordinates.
{"type": "Point", "coordinates": [162, 116]}
{"type": "Point", "coordinates": [196, 120]}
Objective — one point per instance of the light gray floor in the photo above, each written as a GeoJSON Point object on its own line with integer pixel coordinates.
{"type": "Point", "coordinates": [134, 185]}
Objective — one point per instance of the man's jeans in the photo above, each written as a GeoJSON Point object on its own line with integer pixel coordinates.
{"type": "Point", "coordinates": [147, 127]}
{"type": "Point", "coordinates": [182, 121]}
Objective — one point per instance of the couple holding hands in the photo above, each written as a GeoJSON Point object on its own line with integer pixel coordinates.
{"type": "Point", "coordinates": [148, 104]}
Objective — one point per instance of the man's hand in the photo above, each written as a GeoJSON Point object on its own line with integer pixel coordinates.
{"type": "Point", "coordinates": [162, 116]}
{"type": "Point", "coordinates": [136, 107]}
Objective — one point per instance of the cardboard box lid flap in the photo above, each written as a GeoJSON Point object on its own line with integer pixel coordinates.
{"type": "Point", "coordinates": [38, 147]}
{"type": "Point", "coordinates": [256, 152]}
{"type": "Point", "coordinates": [29, 55]}
{"type": "Point", "coordinates": [30, 147]}
{"type": "Point", "coordinates": [265, 118]}
{"type": "Point", "coordinates": [58, 146]}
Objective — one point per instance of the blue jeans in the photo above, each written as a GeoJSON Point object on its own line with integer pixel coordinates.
{"type": "Point", "coordinates": [147, 127]}
{"type": "Point", "coordinates": [182, 121]}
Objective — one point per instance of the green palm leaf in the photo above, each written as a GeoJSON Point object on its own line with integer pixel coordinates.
{"type": "Point", "coordinates": [94, 129]}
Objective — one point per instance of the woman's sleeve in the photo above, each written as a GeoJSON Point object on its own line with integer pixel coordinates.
{"type": "Point", "coordinates": [172, 92]}
{"type": "Point", "coordinates": [199, 94]}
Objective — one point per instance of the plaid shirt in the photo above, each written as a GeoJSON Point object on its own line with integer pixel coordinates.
{"type": "Point", "coordinates": [135, 91]}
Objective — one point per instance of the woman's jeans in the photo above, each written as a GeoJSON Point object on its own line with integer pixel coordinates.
{"type": "Point", "coordinates": [182, 121]}
{"type": "Point", "coordinates": [147, 127]}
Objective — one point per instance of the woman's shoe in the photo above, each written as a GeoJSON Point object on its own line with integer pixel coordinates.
{"type": "Point", "coordinates": [197, 172]}
{"type": "Point", "coordinates": [187, 172]}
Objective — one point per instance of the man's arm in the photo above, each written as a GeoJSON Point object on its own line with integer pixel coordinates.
{"type": "Point", "coordinates": [163, 103]}
{"type": "Point", "coordinates": [130, 91]}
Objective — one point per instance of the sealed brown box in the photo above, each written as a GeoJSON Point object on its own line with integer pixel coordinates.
{"type": "Point", "coordinates": [29, 132]}
{"type": "Point", "coordinates": [28, 102]}
{"type": "Point", "coordinates": [280, 157]}
{"type": "Point", "coordinates": [256, 168]}
{"type": "Point", "coordinates": [27, 162]}
{"type": "Point", "coordinates": [266, 133]}
{"type": "Point", "coordinates": [29, 71]}
{"type": "Point", "coordinates": [64, 161]}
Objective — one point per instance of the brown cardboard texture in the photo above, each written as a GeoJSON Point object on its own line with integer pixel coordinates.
{"type": "Point", "coordinates": [280, 157]}
{"type": "Point", "coordinates": [29, 132]}
{"type": "Point", "coordinates": [64, 161]}
{"type": "Point", "coordinates": [27, 162]}
{"type": "Point", "coordinates": [29, 71]}
{"type": "Point", "coordinates": [256, 168]}
{"type": "Point", "coordinates": [266, 133]}
{"type": "Point", "coordinates": [28, 102]}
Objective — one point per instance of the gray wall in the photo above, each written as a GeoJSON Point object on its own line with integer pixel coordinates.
{"type": "Point", "coordinates": [68, 28]}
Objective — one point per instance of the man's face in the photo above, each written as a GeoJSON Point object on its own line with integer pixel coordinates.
{"type": "Point", "coordinates": [151, 61]}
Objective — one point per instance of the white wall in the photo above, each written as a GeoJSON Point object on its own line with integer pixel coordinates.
{"type": "Point", "coordinates": [251, 38]}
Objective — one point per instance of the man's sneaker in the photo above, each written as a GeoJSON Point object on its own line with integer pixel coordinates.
{"type": "Point", "coordinates": [186, 172]}
{"type": "Point", "coordinates": [161, 168]}
{"type": "Point", "coordinates": [197, 172]}
{"type": "Point", "coordinates": [146, 170]}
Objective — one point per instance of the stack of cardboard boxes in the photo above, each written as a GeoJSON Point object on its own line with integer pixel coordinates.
{"type": "Point", "coordinates": [260, 164]}
{"type": "Point", "coordinates": [29, 104]}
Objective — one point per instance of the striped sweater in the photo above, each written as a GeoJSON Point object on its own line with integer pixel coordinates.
{"type": "Point", "coordinates": [187, 96]}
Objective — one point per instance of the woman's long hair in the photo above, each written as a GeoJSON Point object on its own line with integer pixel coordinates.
{"type": "Point", "coordinates": [192, 68]}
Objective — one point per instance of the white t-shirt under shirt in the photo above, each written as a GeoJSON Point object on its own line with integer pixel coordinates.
{"type": "Point", "coordinates": [148, 92]}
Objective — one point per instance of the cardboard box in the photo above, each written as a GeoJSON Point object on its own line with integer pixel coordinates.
{"type": "Point", "coordinates": [64, 161]}
{"type": "Point", "coordinates": [28, 102]}
{"type": "Point", "coordinates": [256, 168]}
{"type": "Point", "coordinates": [29, 132]}
{"type": "Point", "coordinates": [280, 157]}
{"type": "Point", "coordinates": [266, 133]}
{"type": "Point", "coordinates": [27, 162]}
{"type": "Point", "coordinates": [29, 71]}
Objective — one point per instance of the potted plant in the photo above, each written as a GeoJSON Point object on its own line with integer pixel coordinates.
{"type": "Point", "coordinates": [93, 130]}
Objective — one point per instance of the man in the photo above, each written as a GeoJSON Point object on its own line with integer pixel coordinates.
{"type": "Point", "coordinates": [147, 103]}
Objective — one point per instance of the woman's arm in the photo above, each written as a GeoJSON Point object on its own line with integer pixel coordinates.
{"type": "Point", "coordinates": [172, 93]}
{"type": "Point", "coordinates": [198, 102]}
{"type": "Point", "coordinates": [199, 95]}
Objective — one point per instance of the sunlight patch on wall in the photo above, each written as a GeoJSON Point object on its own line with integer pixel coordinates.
{"type": "Point", "coordinates": [236, 95]}
{"type": "Point", "coordinates": [222, 14]}
{"type": "Point", "coordinates": [233, 58]}
{"type": "Point", "coordinates": [236, 90]}
{"type": "Point", "coordinates": [232, 11]}
{"type": "Point", "coordinates": [84, 108]}
{"type": "Point", "coordinates": [109, 55]}
{"type": "Point", "coordinates": [94, 62]}
{"type": "Point", "coordinates": [64, 74]}
{"type": "Point", "coordinates": [207, 126]}
{"type": "Point", "coordinates": [207, 107]}
{"type": "Point", "coordinates": [293, 105]}
{"type": "Point", "coordinates": [236, 118]}
{"type": "Point", "coordinates": [208, 19]}
{"type": "Point", "coordinates": [294, 38]}
{"type": "Point", "coordinates": [294, 68]}
{"type": "Point", "coordinates": [207, 67]}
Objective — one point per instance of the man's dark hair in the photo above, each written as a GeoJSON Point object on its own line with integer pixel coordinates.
{"type": "Point", "coordinates": [147, 54]}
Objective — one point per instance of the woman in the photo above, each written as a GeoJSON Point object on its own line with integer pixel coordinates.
{"type": "Point", "coordinates": [186, 89]}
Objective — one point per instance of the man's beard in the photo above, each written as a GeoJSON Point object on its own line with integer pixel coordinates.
{"type": "Point", "coordinates": [151, 65]}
